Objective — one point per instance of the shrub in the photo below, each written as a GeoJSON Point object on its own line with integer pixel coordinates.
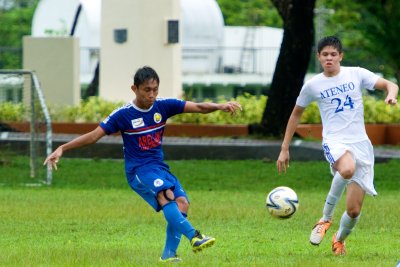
{"type": "Point", "coordinates": [95, 109]}
{"type": "Point", "coordinates": [380, 112]}
{"type": "Point", "coordinates": [12, 112]}
{"type": "Point", "coordinates": [253, 107]}
{"type": "Point", "coordinates": [311, 114]}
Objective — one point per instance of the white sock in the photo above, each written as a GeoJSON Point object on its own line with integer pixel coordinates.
{"type": "Point", "coordinates": [335, 192]}
{"type": "Point", "coordinates": [346, 226]}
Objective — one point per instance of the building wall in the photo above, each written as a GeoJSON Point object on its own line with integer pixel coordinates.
{"type": "Point", "coordinates": [56, 63]}
{"type": "Point", "coordinates": [145, 23]}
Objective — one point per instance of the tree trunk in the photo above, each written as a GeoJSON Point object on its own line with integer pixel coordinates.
{"type": "Point", "coordinates": [93, 88]}
{"type": "Point", "coordinates": [292, 64]}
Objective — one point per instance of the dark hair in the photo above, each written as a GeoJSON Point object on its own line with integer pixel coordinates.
{"type": "Point", "coordinates": [144, 74]}
{"type": "Point", "coordinates": [330, 41]}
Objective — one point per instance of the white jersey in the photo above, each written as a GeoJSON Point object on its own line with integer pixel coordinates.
{"type": "Point", "coordinates": [340, 102]}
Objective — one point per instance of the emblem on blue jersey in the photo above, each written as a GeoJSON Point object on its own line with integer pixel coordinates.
{"type": "Point", "coordinates": [136, 123]}
{"type": "Point", "coordinates": [158, 182]}
{"type": "Point", "coordinates": [157, 117]}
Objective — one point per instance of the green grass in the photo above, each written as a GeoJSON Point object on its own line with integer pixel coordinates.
{"type": "Point", "coordinates": [90, 216]}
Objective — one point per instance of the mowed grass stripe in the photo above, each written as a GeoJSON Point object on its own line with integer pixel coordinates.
{"type": "Point", "coordinates": [91, 221]}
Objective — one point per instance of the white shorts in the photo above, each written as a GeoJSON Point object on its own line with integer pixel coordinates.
{"type": "Point", "coordinates": [363, 154]}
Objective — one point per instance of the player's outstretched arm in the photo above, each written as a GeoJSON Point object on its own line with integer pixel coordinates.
{"type": "Point", "coordinates": [392, 90]}
{"type": "Point", "coordinates": [207, 107]}
{"type": "Point", "coordinates": [283, 159]}
{"type": "Point", "coordinates": [83, 140]}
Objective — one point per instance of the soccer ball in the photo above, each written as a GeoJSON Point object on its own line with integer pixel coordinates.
{"type": "Point", "coordinates": [282, 202]}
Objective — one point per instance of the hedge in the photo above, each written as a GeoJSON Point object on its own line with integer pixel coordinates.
{"type": "Point", "coordinates": [96, 109]}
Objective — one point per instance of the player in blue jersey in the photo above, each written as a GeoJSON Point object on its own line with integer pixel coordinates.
{"type": "Point", "coordinates": [338, 92]}
{"type": "Point", "coordinates": [141, 123]}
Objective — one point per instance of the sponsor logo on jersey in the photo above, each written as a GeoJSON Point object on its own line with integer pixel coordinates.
{"type": "Point", "coordinates": [158, 182]}
{"type": "Point", "coordinates": [136, 123]}
{"type": "Point", "coordinates": [157, 117]}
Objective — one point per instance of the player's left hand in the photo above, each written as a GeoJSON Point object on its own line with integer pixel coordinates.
{"type": "Point", "coordinates": [391, 101]}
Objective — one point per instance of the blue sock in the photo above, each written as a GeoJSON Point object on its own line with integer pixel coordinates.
{"type": "Point", "coordinates": [177, 221]}
{"type": "Point", "coordinates": [172, 242]}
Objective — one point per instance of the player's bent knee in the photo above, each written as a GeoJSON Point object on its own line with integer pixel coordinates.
{"type": "Point", "coordinates": [347, 173]}
{"type": "Point", "coordinates": [166, 195]}
{"type": "Point", "coordinates": [346, 165]}
{"type": "Point", "coordinates": [182, 203]}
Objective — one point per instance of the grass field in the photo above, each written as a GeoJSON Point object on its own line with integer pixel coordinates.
{"type": "Point", "coordinates": [90, 216]}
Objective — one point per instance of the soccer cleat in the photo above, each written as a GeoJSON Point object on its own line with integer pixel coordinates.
{"type": "Point", "coordinates": [171, 259]}
{"type": "Point", "coordinates": [338, 247]}
{"type": "Point", "coordinates": [200, 241]}
{"type": "Point", "coordinates": [318, 231]}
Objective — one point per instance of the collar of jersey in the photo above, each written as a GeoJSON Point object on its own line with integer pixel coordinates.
{"type": "Point", "coordinates": [140, 109]}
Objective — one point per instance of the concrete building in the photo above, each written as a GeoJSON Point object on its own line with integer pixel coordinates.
{"type": "Point", "coordinates": [210, 52]}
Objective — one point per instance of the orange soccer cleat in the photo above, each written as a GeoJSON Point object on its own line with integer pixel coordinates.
{"type": "Point", "coordinates": [338, 247]}
{"type": "Point", "coordinates": [318, 231]}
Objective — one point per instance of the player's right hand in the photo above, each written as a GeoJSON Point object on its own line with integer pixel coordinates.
{"type": "Point", "coordinates": [52, 160]}
{"type": "Point", "coordinates": [283, 161]}
{"type": "Point", "coordinates": [231, 107]}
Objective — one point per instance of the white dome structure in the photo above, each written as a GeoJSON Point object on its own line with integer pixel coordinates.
{"type": "Point", "coordinates": [201, 34]}
{"type": "Point", "coordinates": [55, 18]}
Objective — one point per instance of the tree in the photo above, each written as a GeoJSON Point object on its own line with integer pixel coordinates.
{"type": "Point", "coordinates": [291, 67]}
{"type": "Point", "coordinates": [15, 21]}
{"type": "Point", "coordinates": [380, 25]}
{"type": "Point", "coordinates": [249, 13]}
{"type": "Point", "coordinates": [369, 32]}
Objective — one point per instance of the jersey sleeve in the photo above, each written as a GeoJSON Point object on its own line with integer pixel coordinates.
{"type": "Point", "coordinates": [304, 98]}
{"type": "Point", "coordinates": [173, 106]}
{"type": "Point", "coordinates": [368, 78]}
{"type": "Point", "coordinates": [110, 124]}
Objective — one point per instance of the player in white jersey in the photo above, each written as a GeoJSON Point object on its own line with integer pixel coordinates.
{"type": "Point", "coordinates": [141, 123]}
{"type": "Point", "coordinates": [337, 91]}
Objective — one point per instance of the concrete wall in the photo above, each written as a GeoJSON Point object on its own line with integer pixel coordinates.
{"type": "Point", "coordinates": [145, 23]}
{"type": "Point", "coordinates": [56, 62]}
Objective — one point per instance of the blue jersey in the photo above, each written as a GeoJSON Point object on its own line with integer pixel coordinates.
{"type": "Point", "coordinates": [142, 131]}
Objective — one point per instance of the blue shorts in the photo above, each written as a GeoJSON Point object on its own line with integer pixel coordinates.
{"type": "Point", "coordinates": [150, 180]}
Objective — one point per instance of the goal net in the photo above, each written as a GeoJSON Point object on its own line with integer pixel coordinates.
{"type": "Point", "coordinates": [25, 124]}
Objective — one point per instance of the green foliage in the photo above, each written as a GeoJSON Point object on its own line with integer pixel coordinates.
{"type": "Point", "coordinates": [380, 26]}
{"type": "Point", "coordinates": [311, 114]}
{"type": "Point", "coordinates": [15, 23]}
{"type": "Point", "coordinates": [251, 113]}
{"type": "Point", "coordinates": [10, 111]}
{"type": "Point", "coordinates": [369, 31]}
{"type": "Point", "coordinates": [379, 112]}
{"type": "Point", "coordinates": [94, 109]}
{"type": "Point", "coordinates": [250, 13]}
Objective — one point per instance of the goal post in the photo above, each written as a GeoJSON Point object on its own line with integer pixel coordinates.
{"type": "Point", "coordinates": [23, 87]}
